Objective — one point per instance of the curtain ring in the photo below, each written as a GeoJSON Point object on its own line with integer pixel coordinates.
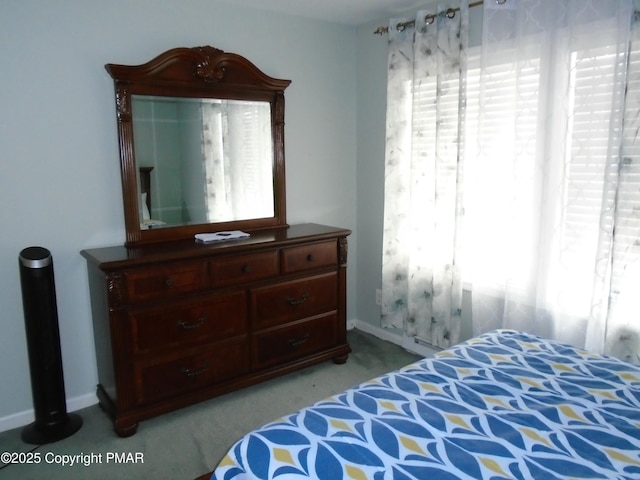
{"type": "Point", "coordinates": [501, 2]}
{"type": "Point", "coordinates": [429, 19]}
{"type": "Point", "coordinates": [402, 26]}
{"type": "Point", "coordinates": [451, 12]}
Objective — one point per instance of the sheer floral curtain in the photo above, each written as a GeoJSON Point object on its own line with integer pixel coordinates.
{"type": "Point", "coordinates": [216, 163]}
{"type": "Point", "coordinates": [533, 199]}
{"type": "Point", "coordinates": [552, 81]}
{"type": "Point", "coordinates": [421, 281]}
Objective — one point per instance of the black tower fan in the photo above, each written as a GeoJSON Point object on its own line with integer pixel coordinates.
{"type": "Point", "coordinates": [52, 421]}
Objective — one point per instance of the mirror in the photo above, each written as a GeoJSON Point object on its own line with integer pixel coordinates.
{"type": "Point", "coordinates": [209, 160]}
{"type": "Point", "coordinates": [201, 145]}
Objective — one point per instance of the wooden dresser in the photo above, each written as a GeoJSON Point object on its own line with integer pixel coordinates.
{"type": "Point", "coordinates": [180, 322]}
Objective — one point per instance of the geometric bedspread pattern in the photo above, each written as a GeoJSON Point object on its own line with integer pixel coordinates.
{"type": "Point", "coordinates": [504, 405]}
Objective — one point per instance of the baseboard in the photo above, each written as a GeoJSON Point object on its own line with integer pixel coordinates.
{"type": "Point", "coordinates": [381, 333]}
{"type": "Point", "coordinates": [396, 337]}
{"type": "Point", "coordinates": [26, 417]}
{"type": "Point", "coordinates": [413, 345]}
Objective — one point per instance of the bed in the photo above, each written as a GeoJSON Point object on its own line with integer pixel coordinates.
{"type": "Point", "coordinates": [502, 405]}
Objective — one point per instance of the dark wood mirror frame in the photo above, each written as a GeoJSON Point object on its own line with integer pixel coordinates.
{"type": "Point", "coordinates": [199, 72]}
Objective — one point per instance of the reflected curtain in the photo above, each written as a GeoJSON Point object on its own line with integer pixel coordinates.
{"type": "Point", "coordinates": [553, 201]}
{"type": "Point", "coordinates": [237, 149]}
{"type": "Point", "coordinates": [421, 277]}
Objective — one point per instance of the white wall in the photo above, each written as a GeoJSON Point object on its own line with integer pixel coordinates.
{"type": "Point", "coordinates": [60, 177]}
{"type": "Point", "coordinates": [371, 97]}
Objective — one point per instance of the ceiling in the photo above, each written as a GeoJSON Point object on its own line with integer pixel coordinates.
{"type": "Point", "coordinates": [349, 12]}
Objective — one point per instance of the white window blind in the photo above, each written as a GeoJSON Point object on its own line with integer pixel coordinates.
{"type": "Point", "coordinates": [579, 181]}
{"type": "Point", "coordinates": [493, 181]}
{"type": "Point", "coordinates": [626, 265]}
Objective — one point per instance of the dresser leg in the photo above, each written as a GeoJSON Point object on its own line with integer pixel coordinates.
{"type": "Point", "coordinates": [125, 430]}
{"type": "Point", "coordinates": [341, 359]}
{"type": "Point", "coordinates": [122, 428]}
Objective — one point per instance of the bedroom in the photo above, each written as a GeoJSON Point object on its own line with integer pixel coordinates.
{"type": "Point", "coordinates": [58, 107]}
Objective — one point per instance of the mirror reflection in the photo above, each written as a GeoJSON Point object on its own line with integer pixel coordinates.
{"type": "Point", "coordinates": [202, 160]}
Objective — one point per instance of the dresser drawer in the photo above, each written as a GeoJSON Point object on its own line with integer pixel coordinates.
{"type": "Point", "coordinates": [284, 302]}
{"type": "Point", "coordinates": [200, 320]}
{"type": "Point", "coordinates": [306, 257]}
{"type": "Point", "coordinates": [222, 361]}
{"type": "Point", "coordinates": [243, 268]}
{"type": "Point", "coordinates": [294, 341]}
{"type": "Point", "coordinates": [163, 281]}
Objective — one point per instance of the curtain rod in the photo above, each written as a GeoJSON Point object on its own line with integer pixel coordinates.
{"type": "Point", "coordinates": [429, 19]}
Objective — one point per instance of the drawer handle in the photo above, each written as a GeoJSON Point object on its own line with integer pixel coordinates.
{"type": "Point", "coordinates": [191, 326]}
{"type": "Point", "coordinates": [302, 299]}
{"type": "Point", "coordinates": [169, 282]}
{"type": "Point", "coordinates": [194, 372]}
{"type": "Point", "coordinates": [295, 343]}
{"type": "Point", "coordinates": [246, 268]}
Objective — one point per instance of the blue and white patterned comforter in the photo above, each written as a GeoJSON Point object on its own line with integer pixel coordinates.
{"type": "Point", "coordinates": [502, 405]}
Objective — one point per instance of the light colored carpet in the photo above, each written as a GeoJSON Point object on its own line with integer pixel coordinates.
{"type": "Point", "coordinates": [189, 442]}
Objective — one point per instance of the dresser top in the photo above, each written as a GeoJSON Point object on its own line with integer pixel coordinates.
{"type": "Point", "coordinates": [108, 258]}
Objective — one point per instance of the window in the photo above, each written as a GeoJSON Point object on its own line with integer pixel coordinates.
{"type": "Point", "coordinates": [534, 178]}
